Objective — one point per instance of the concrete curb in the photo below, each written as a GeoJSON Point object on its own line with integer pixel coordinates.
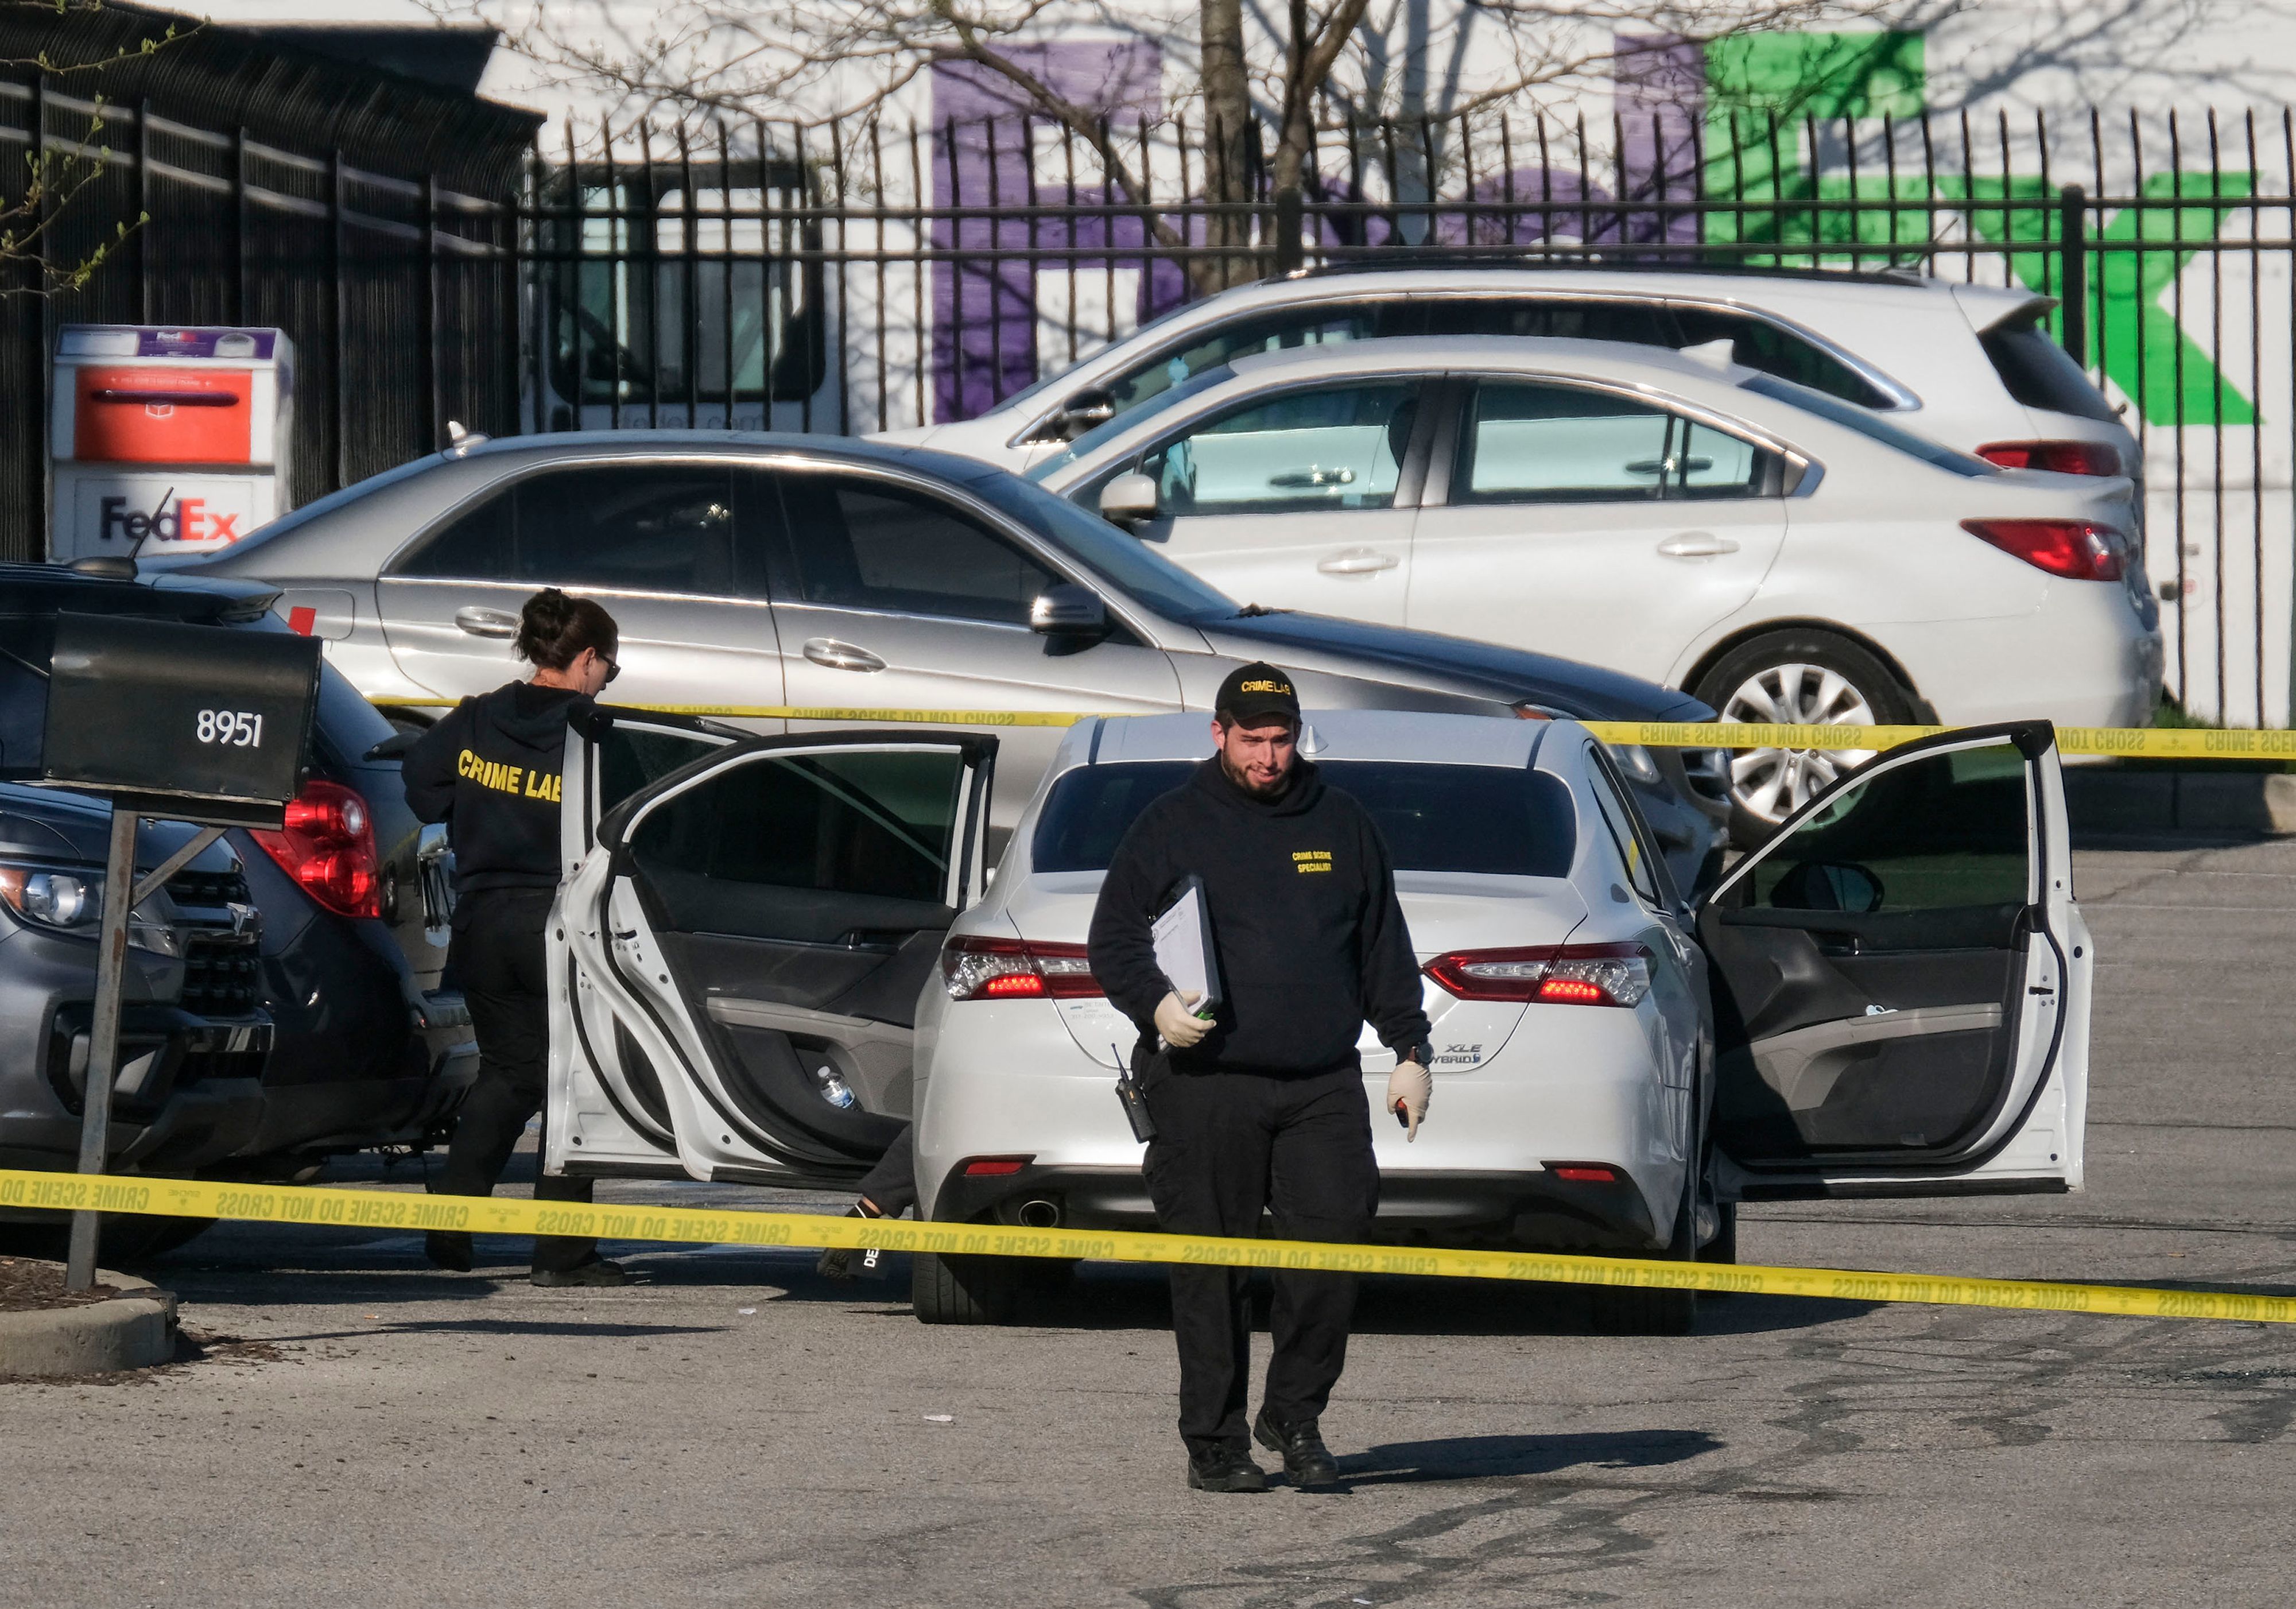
{"type": "Point", "coordinates": [2104, 801]}
{"type": "Point", "coordinates": [131, 1330]}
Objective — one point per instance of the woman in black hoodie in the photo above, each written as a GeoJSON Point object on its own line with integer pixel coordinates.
{"type": "Point", "coordinates": [490, 770]}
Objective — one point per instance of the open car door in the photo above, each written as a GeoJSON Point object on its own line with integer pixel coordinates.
{"type": "Point", "coordinates": [739, 946]}
{"type": "Point", "coordinates": [1902, 982]}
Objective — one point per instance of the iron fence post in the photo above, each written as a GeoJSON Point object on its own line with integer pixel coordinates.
{"type": "Point", "coordinates": [2073, 270]}
{"type": "Point", "coordinates": [431, 363]}
{"type": "Point", "coordinates": [1289, 209]}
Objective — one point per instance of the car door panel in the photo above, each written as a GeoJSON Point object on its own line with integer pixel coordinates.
{"type": "Point", "coordinates": [606, 1087]}
{"type": "Point", "coordinates": [1558, 502]}
{"type": "Point", "coordinates": [660, 543]}
{"type": "Point", "coordinates": [888, 597]}
{"type": "Point", "coordinates": [760, 924]}
{"type": "Point", "coordinates": [1302, 500]}
{"type": "Point", "coordinates": [1893, 974]}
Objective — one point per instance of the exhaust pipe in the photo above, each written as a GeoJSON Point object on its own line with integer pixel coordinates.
{"type": "Point", "coordinates": [1040, 1214]}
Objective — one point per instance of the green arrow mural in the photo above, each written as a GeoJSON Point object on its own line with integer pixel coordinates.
{"type": "Point", "coordinates": [1762, 88]}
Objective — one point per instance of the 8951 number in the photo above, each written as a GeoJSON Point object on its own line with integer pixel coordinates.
{"type": "Point", "coordinates": [230, 728]}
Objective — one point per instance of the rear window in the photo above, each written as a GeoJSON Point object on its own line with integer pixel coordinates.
{"type": "Point", "coordinates": [1758, 344]}
{"type": "Point", "coordinates": [1865, 425]}
{"type": "Point", "coordinates": [1488, 820]}
{"type": "Point", "coordinates": [2039, 373]}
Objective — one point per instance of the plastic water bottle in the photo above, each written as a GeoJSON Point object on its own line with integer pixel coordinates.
{"type": "Point", "coordinates": [834, 1089]}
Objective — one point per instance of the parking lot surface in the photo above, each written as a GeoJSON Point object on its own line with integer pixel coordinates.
{"type": "Point", "coordinates": [365, 1428]}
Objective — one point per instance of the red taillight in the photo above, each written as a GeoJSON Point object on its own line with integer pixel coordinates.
{"type": "Point", "coordinates": [2079, 550]}
{"type": "Point", "coordinates": [1554, 974]}
{"type": "Point", "coordinates": [994, 1167]}
{"type": "Point", "coordinates": [1584, 1173]}
{"type": "Point", "coordinates": [2058, 457]}
{"type": "Point", "coordinates": [1007, 969]}
{"type": "Point", "coordinates": [328, 847]}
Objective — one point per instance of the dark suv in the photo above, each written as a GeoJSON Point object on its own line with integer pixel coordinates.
{"type": "Point", "coordinates": [366, 1050]}
{"type": "Point", "coordinates": [192, 1038]}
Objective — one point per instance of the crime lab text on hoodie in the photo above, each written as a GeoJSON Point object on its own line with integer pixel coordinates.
{"type": "Point", "coordinates": [491, 771]}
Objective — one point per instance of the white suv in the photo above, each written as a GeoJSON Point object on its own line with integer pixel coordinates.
{"type": "Point", "coordinates": [1968, 366]}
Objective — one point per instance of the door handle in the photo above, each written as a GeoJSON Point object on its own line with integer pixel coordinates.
{"type": "Point", "coordinates": [1696, 545]}
{"type": "Point", "coordinates": [485, 622]}
{"type": "Point", "coordinates": [840, 656]}
{"type": "Point", "coordinates": [1357, 562]}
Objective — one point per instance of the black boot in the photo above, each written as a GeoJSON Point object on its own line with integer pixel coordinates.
{"type": "Point", "coordinates": [1307, 1461]}
{"type": "Point", "coordinates": [836, 1262]}
{"type": "Point", "coordinates": [448, 1249]}
{"type": "Point", "coordinates": [1223, 1466]}
{"type": "Point", "coordinates": [597, 1271]}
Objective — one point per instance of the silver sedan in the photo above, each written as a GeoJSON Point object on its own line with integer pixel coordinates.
{"type": "Point", "coordinates": [755, 571]}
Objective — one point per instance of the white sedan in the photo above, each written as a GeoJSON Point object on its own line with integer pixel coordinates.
{"type": "Point", "coordinates": [1891, 997]}
{"type": "Point", "coordinates": [768, 953]}
{"type": "Point", "coordinates": [1780, 555]}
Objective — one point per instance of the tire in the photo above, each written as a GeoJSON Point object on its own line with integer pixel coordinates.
{"type": "Point", "coordinates": [1797, 678]}
{"type": "Point", "coordinates": [133, 1238]}
{"type": "Point", "coordinates": [1640, 1311]}
{"type": "Point", "coordinates": [965, 1290]}
{"type": "Point", "coordinates": [1647, 1310]}
{"type": "Point", "coordinates": [126, 1237]}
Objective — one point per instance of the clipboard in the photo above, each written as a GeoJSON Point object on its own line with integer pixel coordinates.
{"type": "Point", "coordinates": [1183, 936]}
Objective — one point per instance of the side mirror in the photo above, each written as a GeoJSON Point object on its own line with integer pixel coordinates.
{"type": "Point", "coordinates": [1128, 499]}
{"type": "Point", "coordinates": [1066, 610]}
{"type": "Point", "coordinates": [1828, 885]}
{"type": "Point", "coordinates": [1086, 410]}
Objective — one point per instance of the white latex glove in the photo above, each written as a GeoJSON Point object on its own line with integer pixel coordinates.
{"type": "Point", "coordinates": [1408, 1088]}
{"type": "Point", "coordinates": [1180, 1026]}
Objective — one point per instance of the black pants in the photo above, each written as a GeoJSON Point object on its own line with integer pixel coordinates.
{"type": "Point", "coordinates": [498, 955]}
{"type": "Point", "coordinates": [891, 1185]}
{"type": "Point", "coordinates": [1227, 1146]}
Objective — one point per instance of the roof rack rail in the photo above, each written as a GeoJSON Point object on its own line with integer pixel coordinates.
{"type": "Point", "coordinates": [1395, 259]}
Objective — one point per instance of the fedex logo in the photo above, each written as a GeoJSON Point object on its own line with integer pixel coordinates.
{"type": "Point", "coordinates": [103, 511]}
{"type": "Point", "coordinates": [189, 520]}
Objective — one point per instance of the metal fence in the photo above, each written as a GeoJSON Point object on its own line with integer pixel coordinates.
{"type": "Point", "coordinates": [864, 277]}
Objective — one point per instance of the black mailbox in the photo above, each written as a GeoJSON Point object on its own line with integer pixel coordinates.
{"type": "Point", "coordinates": [200, 722]}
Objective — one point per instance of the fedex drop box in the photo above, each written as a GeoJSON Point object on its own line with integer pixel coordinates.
{"type": "Point", "coordinates": [167, 439]}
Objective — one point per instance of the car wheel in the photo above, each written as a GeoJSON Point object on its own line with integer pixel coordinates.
{"type": "Point", "coordinates": [1639, 1310]}
{"type": "Point", "coordinates": [965, 1290]}
{"type": "Point", "coordinates": [1643, 1309]}
{"type": "Point", "coordinates": [1796, 678]}
{"type": "Point", "coordinates": [126, 1237]}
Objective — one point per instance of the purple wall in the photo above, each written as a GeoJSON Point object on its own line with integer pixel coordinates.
{"type": "Point", "coordinates": [984, 314]}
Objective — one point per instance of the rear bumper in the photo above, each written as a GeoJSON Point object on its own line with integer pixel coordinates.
{"type": "Point", "coordinates": [1007, 1081]}
{"type": "Point", "coordinates": [1524, 1211]}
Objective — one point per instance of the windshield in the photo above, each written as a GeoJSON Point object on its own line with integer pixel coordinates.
{"type": "Point", "coordinates": [1116, 559]}
{"type": "Point", "coordinates": [1055, 378]}
{"type": "Point", "coordinates": [1495, 821]}
{"type": "Point", "coordinates": [1849, 416]}
{"type": "Point", "coordinates": [1099, 436]}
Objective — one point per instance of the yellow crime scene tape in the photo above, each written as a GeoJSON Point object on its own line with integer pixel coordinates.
{"type": "Point", "coordinates": [486, 1215]}
{"type": "Point", "coordinates": [2145, 742]}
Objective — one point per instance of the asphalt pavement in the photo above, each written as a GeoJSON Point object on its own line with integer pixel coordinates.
{"type": "Point", "coordinates": [361, 1428]}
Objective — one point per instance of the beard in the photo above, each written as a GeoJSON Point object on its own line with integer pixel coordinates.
{"type": "Point", "coordinates": [1242, 780]}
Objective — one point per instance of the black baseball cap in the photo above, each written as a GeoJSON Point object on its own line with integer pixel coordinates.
{"type": "Point", "coordinates": [1254, 692]}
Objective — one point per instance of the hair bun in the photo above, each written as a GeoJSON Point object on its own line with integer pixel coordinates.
{"type": "Point", "coordinates": [554, 629]}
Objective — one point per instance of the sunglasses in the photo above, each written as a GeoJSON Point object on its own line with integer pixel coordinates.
{"type": "Point", "coordinates": [614, 669]}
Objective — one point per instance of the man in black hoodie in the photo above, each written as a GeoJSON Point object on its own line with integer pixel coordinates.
{"type": "Point", "coordinates": [1262, 1106]}
{"type": "Point", "coordinates": [490, 770]}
